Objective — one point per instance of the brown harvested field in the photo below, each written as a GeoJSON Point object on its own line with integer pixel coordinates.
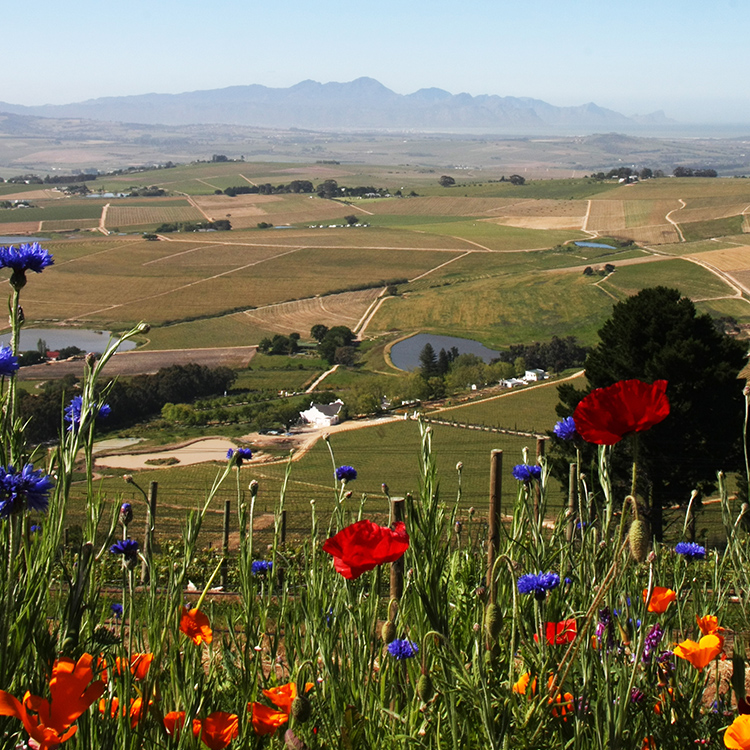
{"type": "Point", "coordinates": [122, 216]}
{"type": "Point", "coordinates": [708, 213]}
{"type": "Point", "coordinates": [345, 309]}
{"type": "Point", "coordinates": [606, 216]}
{"type": "Point", "coordinates": [540, 222]}
{"type": "Point", "coordinates": [146, 362]}
{"type": "Point", "coordinates": [66, 225]}
{"type": "Point", "coordinates": [543, 214]}
{"type": "Point", "coordinates": [35, 195]}
{"type": "Point", "coordinates": [661, 234]}
{"type": "Point", "coordinates": [729, 259]}
{"type": "Point", "coordinates": [436, 206]}
{"type": "Point", "coordinates": [247, 210]}
{"type": "Point", "coordinates": [19, 227]}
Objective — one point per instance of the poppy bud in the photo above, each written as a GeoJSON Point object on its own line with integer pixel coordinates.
{"type": "Point", "coordinates": [128, 478]}
{"type": "Point", "coordinates": [458, 527]}
{"type": "Point", "coordinates": [292, 742]}
{"type": "Point", "coordinates": [388, 631]}
{"type": "Point", "coordinates": [126, 513]}
{"type": "Point", "coordinates": [639, 539]}
{"type": "Point", "coordinates": [493, 621]}
{"type": "Point", "coordinates": [143, 328]}
{"type": "Point", "coordinates": [301, 708]}
{"type": "Point", "coordinates": [90, 360]}
{"type": "Point", "coordinates": [384, 487]}
{"type": "Point", "coordinates": [253, 487]}
{"type": "Point", "coordinates": [425, 688]}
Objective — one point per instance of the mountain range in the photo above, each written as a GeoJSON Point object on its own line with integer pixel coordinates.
{"type": "Point", "coordinates": [362, 104]}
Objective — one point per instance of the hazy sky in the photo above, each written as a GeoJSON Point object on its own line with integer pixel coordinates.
{"type": "Point", "coordinates": [689, 58]}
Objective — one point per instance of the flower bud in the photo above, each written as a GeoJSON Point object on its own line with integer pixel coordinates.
{"type": "Point", "coordinates": [292, 742]}
{"type": "Point", "coordinates": [384, 487]}
{"type": "Point", "coordinates": [458, 526]}
{"type": "Point", "coordinates": [301, 708]}
{"type": "Point", "coordinates": [425, 688]}
{"type": "Point", "coordinates": [253, 487]}
{"type": "Point", "coordinates": [388, 631]}
{"type": "Point", "coordinates": [128, 478]}
{"type": "Point", "coordinates": [459, 466]}
{"type": "Point", "coordinates": [493, 621]}
{"type": "Point", "coordinates": [143, 328]}
{"type": "Point", "coordinates": [126, 513]}
{"type": "Point", "coordinates": [90, 360]}
{"type": "Point", "coordinates": [639, 539]}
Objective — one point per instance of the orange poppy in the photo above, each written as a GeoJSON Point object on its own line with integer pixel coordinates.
{"type": "Point", "coordinates": [194, 624]}
{"type": "Point", "coordinates": [71, 694]}
{"type": "Point", "coordinates": [737, 736]}
{"type": "Point", "coordinates": [702, 653]}
{"type": "Point", "coordinates": [660, 600]}
{"type": "Point", "coordinates": [522, 684]}
{"type": "Point", "coordinates": [558, 633]}
{"type": "Point", "coordinates": [218, 729]}
{"type": "Point", "coordinates": [139, 665]}
{"type": "Point", "coordinates": [562, 704]}
{"type": "Point", "coordinates": [284, 696]}
{"type": "Point", "coordinates": [708, 624]}
{"type": "Point", "coordinates": [265, 719]}
{"type": "Point", "coordinates": [137, 709]}
{"type": "Point", "coordinates": [174, 721]}
{"type": "Point", "coordinates": [649, 743]}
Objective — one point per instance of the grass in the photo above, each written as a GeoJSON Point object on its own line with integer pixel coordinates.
{"type": "Point", "coordinates": [702, 230]}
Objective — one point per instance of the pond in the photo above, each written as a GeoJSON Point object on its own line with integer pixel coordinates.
{"type": "Point", "coordinates": [594, 244]}
{"type": "Point", "coordinates": [59, 338]}
{"type": "Point", "coordinates": [405, 354]}
{"type": "Point", "coordinates": [20, 240]}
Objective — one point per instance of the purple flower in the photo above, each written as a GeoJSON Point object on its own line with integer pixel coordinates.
{"type": "Point", "coordinates": [605, 627]}
{"type": "Point", "coordinates": [29, 485]}
{"type": "Point", "coordinates": [28, 257]}
{"type": "Point", "coordinates": [527, 472]}
{"type": "Point", "coordinates": [240, 455]}
{"type": "Point", "coordinates": [116, 610]}
{"type": "Point", "coordinates": [128, 548]}
{"type": "Point", "coordinates": [8, 363]}
{"type": "Point", "coordinates": [126, 513]}
{"type": "Point", "coordinates": [653, 638]}
{"type": "Point", "coordinates": [690, 551]}
{"type": "Point", "coordinates": [565, 429]}
{"type": "Point", "coordinates": [402, 649]}
{"type": "Point", "coordinates": [261, 567]}
{"type": "Point", "coordinates": [636, 695]}
{"type": "Point", "coordinates": [346, 473]}
{"type": "Point", "coordinates": [538, 584]}
{"type": "Point", "coordinates": [73, 412]}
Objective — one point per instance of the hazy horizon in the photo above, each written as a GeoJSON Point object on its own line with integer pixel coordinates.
{"type": "Point", "coordinates": [687, 59]}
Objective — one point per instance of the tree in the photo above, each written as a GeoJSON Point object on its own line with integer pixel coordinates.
{"type": "Point", "coordinates": [335, 338]}
{"type": "Point", "coordinates": [516, 179]}
{"type": "Point", "coordinates": [428, 362]}
{"type": "Point", "coordinates": [657, 334]}
{"type": "Point", "coordinates": [351, 220]}
{"type": "Point", "coordinates": [318, 331]}
{"type": "Point", "coordinates": [446, 181]}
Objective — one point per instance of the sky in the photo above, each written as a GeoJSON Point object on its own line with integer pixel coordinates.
{"type": "Point", "coordinates": [688, 57]}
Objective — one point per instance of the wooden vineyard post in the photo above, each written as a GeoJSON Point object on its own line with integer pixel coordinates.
{"type": "Point", "coordinates": [397, 568]}
{"type": "Point", "coordinates": [225, 546]}
{"type": "Point", "coordinates": [150, 526]}
{"type": "Point", "coordinates": [495, 519]}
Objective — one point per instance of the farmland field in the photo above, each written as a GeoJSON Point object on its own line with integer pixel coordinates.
{"type": "Point", "coordinates": [122, 216]}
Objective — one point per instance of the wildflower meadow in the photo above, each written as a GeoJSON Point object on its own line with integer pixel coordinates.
{"type": "Point", "coordinates": [435, 631]}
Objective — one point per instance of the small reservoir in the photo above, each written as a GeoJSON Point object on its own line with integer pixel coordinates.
{"type": "Point", "coordinates": [59, 338]}
{"type": "Point", "coordinates": [594, 244]}
{"type": "Point", "coordinates": [405, 354]}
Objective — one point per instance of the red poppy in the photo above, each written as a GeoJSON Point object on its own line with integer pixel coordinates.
{"type": "Point", "coordinates": [70, 696]}
{"type": "Point", "coordinates": [194, 624]}
{"type": "Point", "coordinates": [606, 415]}
{"type": "Point", "coordinates": [266, 720]}
{"type": "Point", "coordinates": [560, 632]}
{"type": "Point", "coordinates": [173, 722]}
{"type": "Point", "coordinates": [217, 730]}
{"type": "Point", "coordinates": [284, 696]}
{"type": "Point", "coordinates": [139, 665]}
{"type": "Point", "coordinates": [365, 545]}
{"type": "Point", "coordinates": [137, 709]}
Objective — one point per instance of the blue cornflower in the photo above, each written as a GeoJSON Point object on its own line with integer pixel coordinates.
{"type": "Point", "coordinates": [690, 551]}
{"type": "Point", "coordinates": [402, 649]}
{"type": "Point", "coordinates": [241, 454]}
{"type": "Point", "coordinates": [128, 548]}
{"type": "Point", "coordinates": [28, 257]}
{"type": "Point", "coordinates": [28, 485]}
{"type": "Point", "coordinates": [126, 513]}
{"type": "Point", "coordinates": [346, 473]}
{"type": "Point", "coordinates": [261, 567]}
{"type": "Point", "coordinates": [8, 363]}
{"type": "Point", "coordinates": [116, 610]}
{"type": "Point", "coordinates": [527, 472]}
{"type": "Point", "coordinates": [538, 584]}
{"type": "Point", "coordinates": [565, 429]}
{"type": "Point", "coordinates": [73, 412]}
{"type": "Point", "coordinates": [35, 528]}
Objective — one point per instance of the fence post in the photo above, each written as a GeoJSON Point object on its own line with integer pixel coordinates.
{"type": "Point", "coordinates": [225, 546]}
{"type": "Point", "coordinates": [148, 541]}
{"type": "Point", "coordinates": [397, 568]}
{"type": "Point", "coordinates": [495, 519]}
{"type": "Point", "coordinates": [570, 513]}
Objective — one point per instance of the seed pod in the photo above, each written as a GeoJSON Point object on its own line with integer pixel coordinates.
{"type": "Point", "coordinates": [493, 621]}
{"type": "Point", "coordinates": [292, 742]}
{"type": "Point", "coordinates": [388, 631]}
{"type": "Point", "coordinates": [639, 538]}
{"type": "Point", "coordinates": [301, 708]}
{"type": "Point", "coordinates": [425, 688]}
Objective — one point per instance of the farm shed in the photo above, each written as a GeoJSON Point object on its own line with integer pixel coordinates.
{"type": "Point", "coordinates": [323, 415]}
{"type": "Point", "coordinates": [534, 375]}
